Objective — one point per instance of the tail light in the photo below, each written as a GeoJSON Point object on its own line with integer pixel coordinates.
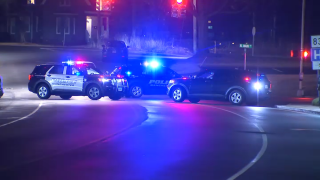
{"type": "Point", "coordinates": [120, 76]}
{"type": "Point", "coordinates": [30, 76]}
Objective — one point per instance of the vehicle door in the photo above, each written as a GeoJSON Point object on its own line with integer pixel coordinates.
{"type": "Point", "coordinates": [56, 78]}
{"type": "Point", "coordinates": [222, 81]}
{"type": "Point", "coordinates": [75, 79]}
{"type": "Point", "coordinates": [202, 84]}
{"type": "Point", "coordinates": [158, 80]}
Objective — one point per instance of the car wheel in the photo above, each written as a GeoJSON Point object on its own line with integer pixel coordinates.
{"type": "Point", "coordinates": [94, 92]}
{"type": "Point", "coordinates": [194, 100]}
{"type": "Point", "coordinates": [115, 97]}
{"type": "Point", "coordinates": [178, 94]}
{"type": "Point", "coordinates": [65, 97]}
{"type": "Point", "coordinates": [236, 97]}
{"type": "Point", "coordinates": [136, 91]}
{"type": "Point", "coordinates": [43, 91]}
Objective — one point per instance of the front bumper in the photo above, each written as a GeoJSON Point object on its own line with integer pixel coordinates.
{"type": "Point", "coordinates": [118, 86]}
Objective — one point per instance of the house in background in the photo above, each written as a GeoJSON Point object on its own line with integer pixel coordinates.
{"type": "Point", "coordinates": [59, 22]}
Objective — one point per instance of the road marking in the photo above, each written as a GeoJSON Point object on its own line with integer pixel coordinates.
{"type": "Point", "coordinates": [277, 70]}
{"type": "Point", "coordinates": [102, 140]}
{"type": "Point", "coordinates": [33, 112]}
{"type": "Point", "coordinates": [305, 129]}
{"type": "Point", "coordinates": [260, 153]}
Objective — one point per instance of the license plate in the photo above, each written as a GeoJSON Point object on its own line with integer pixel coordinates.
{"type": "Point", "coordinates": [120, 89]}
{"type": "Point", "coordinates": [114, 51]}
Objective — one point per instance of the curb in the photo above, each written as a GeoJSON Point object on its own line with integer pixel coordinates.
{"type": "Point", "coordinates": [297, 109]}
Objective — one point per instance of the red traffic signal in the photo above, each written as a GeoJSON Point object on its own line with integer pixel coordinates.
{"type": "Point", "coordinates": [305, 54]}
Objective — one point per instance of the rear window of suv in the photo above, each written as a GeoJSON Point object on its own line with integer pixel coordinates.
{"type": "Point", "coordinates": [41, 70]}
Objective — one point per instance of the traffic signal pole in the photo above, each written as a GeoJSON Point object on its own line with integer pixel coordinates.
{"type": "Point", "coordinates": [300, 92]}
{"type": "Point", "coordinates": [195, 28]}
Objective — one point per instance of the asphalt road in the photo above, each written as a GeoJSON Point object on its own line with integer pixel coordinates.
{"type": "Point", "coordinates": [149, 138]}
{"type": "Point", "coordinates": [152, 138]}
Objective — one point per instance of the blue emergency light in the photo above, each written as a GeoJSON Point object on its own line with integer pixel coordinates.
{"type": "Point", "coordinates": [152, 64]}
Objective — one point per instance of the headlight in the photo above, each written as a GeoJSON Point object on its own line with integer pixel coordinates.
{"type": "Point", "coordinates": [104, 80]}
{"type": "Point", "coordinates": [257, 86]}
{"type": "Point", "coordinates": [171, 81]}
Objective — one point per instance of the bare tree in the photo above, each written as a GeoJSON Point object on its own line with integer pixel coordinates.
{"type": "Point", "coordinates": [207, 9]}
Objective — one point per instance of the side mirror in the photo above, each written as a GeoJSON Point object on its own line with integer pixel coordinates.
{"type": "Point", "coordinates": [107, 72]}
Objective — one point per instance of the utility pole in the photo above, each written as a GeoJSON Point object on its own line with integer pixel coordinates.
{"type": "Point", "coordinates": [195, 27]}
{"type": "Point", "coordinates": [300, 92]}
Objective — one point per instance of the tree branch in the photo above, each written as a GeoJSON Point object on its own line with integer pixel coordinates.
{"type": "Point", "coordinates": [218, 10]}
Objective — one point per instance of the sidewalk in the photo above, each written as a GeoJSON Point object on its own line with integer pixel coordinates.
{"type": "Point", "coordinates": [301, 108]}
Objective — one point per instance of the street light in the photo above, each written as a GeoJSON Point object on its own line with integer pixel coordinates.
{"type": "Point", "coordinates": [300, 90]}
{"type": "Point", "coordinates": [179, 1]}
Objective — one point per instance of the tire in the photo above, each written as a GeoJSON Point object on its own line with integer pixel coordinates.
{"type": "Point", "coordinates": [94, 92]}
{"type": "Point", "coordinates": [115, 97]}
{"type": "Point", "coordinates": [194, 100]}
{"type": "Point", "coordinates": [43, 91]}
{"type": "Point", "coordinates": [178, 94]}
{"type": "Point", "coordinates": [65, 97]}
{"type": "Point", "coordinates": [236, 97]}
{"type": "Point", "coordinates": [135, 91]}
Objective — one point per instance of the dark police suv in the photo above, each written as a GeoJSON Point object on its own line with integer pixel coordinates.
{"type": "Point", "coordinates": [1, 89]}
{"type": "Point", "coordinates": [115, 50]}
{"type": "Point", "coordinates": [237, 86]}
{"type": "Point", "coordinates": [146, 78]}
{"type": "Point", "coordinates": [74, 78]}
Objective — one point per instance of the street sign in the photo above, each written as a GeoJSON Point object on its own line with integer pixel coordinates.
{"type": "Point", "coordinates": [315, 54]}
{"type": "Point", "coordinates": [253, 31]}
{"type": "Point", "coordinates": [315, 41]}
{"type": "Point", "coordinates": [316, 65]}
{"type": "Point", "coordinates": [245, 46]}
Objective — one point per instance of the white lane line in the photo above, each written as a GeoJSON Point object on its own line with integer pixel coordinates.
{"type": "Point", "coordinates": [277, 70]}
{"type": "Point", "coordinates": [260, 153]}
{"type": "Point", "coordinates": [22, 117]}
{"type": "Point", "coordinates": [305, 129]}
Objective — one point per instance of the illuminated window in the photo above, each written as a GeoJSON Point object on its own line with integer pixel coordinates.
{"type": "Point", "coordinates": [210, 27]}
{"type": "Point", "coordinates": [209, 21]}
{"type": "Point", "coordinates": [30, 1]}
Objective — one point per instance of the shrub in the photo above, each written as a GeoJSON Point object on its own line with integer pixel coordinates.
{"type": "Point", "coordinates": [315, 102]}
{"type": "Point", "coordinates": [152, 45]}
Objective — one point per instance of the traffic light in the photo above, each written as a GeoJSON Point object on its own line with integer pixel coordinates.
{"type": "Point", "coordinates": [104, 5]}
{"type": "Point", "coordinates": [305, 54]}
{"type": "Point", "coordinates": [179, 9]}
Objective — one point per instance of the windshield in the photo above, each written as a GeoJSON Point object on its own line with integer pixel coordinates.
{"type": "Point", "coordinates": [116, 44]}
{"type": "Point", "coordinates": [90, 70]}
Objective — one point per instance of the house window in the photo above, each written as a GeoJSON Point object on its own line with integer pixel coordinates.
{"type": "Point", "coordinates": [64, 3]}
{"type": "Point", "coordinates": [67, 26]}
{"type": "Point", "coordinates": [12, 25]}
{"type": "Point", "coordinates": [30, 1]}
{"type": "Point", "coordinates": [58, 25]}
{"type": "Point", "coordinates": [74, 25]}
{"type": "Point", "coordinates": [27, 24]}
{"type": "Point", "coordinates": [37, 23]}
